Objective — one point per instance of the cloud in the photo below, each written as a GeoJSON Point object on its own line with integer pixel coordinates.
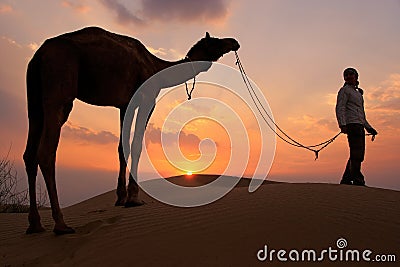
{"type": "Point", "coordinates": [310, 130]}
{"type": "Point", "coordinates": [5, 8]}
{"type": "Point", "coordinates": [153, 135]}
{"type": "Point", "coordinates": [205, 11]}
{"type": "Point", "coordinates": [331, 99]}
{"type": "Point", "coordinates": [11, 41]}
{"type": "Point", "coordinates": [187, 11]}
{"type": "Point", "coordinates": [85, 135]}
{"type": "Point", "coordinates": [33, 46]}
{"type": "Point", "coordinates": [124, 16]}
{"type": "Point", "coordinates": [162, 52]}
{"type": "Point", "coordinates": [386, 97]}
{"type": "Point", "coordinates": [383, 104]}
{"type": "Point", "coordinates": [77, 7]}
{"type": "Point", "coordinates": [12, 112]}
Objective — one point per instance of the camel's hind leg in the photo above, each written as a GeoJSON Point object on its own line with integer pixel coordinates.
{"type": "Point", "coordinates": [35, 115]}
{"type": "Point", "coordinates": [54, 117]}
{"type": "Point", "coordinates": [31, 165]}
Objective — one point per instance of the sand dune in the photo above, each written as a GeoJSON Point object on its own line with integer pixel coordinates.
{"type": "Point", "coordinates": [228, 232]}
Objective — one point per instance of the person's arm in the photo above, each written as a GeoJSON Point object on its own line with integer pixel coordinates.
{"type": "Point", "coordinates": [341, 102]}
{"type": "Point", "coordinates": [365, 122]}
{"type": "Point", "coordinates": [368, 126]}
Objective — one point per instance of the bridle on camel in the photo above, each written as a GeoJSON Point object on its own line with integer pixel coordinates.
{"type": "Point", "coordinates": [189, 93]}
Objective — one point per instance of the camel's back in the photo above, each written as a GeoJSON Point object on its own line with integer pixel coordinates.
{"type": "Point", "coordinates": [91, 37]}
{"type": "Point", "coordinates": [102, 60]}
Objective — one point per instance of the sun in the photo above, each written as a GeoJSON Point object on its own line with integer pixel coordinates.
{"type": "Point", "coordinates": [189, 173]}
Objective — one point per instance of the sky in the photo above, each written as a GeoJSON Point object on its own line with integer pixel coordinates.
{"type": "Point", "coordinates": [295, 51]}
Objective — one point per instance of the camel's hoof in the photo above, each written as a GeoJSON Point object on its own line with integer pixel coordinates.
{"type": "Point", "coordinates": [64, 231]}
{"type": "Point", "coordinates": [120, 202]}
{"type": "Point", "coordinates": [34, 229]}
{"type": "Point", "coordinates": [134, 203]}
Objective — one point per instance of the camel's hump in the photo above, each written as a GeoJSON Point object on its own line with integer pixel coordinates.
{"type": "Point", "coordinates": [92, 30]}
{"type": "Point", "coordinates": [92, 33]}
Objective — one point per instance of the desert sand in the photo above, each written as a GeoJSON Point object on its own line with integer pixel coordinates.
{"type": "Point", "coordinates": [228, 232]}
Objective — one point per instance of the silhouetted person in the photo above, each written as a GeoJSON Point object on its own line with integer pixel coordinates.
{"type": "Point", "coordinates": [350, 115]}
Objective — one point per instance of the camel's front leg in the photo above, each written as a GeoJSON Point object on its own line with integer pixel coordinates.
{"type": "Point", "coordinates": [143, 115]}
{"type": "Point", "coordinates": [121, 188]}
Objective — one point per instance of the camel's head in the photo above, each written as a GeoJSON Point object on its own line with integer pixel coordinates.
{"type": "Point", "coordinates": [211, 48]}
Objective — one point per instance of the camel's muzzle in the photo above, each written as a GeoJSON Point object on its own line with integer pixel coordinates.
{"type": "Point", "coordinates": [234, 44]}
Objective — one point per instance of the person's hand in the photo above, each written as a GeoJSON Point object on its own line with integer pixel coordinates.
{"type": "Point", "coordinates": [372, 131]}
{"type": "Point", "coordinates": [343, 129]}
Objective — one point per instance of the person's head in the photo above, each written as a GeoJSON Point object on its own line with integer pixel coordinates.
{"type": "Point", "coordinates": [350, 76]}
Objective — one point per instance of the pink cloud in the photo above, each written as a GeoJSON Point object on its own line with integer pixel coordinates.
{"type": "Point", "coordinates": [153, 135]}
{"type": "Point", "coordinates": [307, 125]}
{"type": "Point", "coordinates": [182, 10]}
{"type": "Point", "coordinates": [85, 135]}
{"type": "Point", "coordinates": [124, 15]}
{"type": "Point", "coordinates": [77, 7]}
{"type": "Point", "coordinates": [386, 97]}
{"type": "Point", "coordinates": [5, 8]}
{"type": "Point", "coordinates": [205, 11]}
{"type": "Point", "coordinates": [383, 105]}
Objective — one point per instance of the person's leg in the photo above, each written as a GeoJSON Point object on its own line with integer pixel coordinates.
{"type": "Point", "coordinates": [346, 178]}
{"type": "Point", "coordinates": [356, 173]}
{"type": "Point", "coordinates": [356, 137]}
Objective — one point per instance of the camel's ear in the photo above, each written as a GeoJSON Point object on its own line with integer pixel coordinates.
{"type": "Point", "coordinates": [207, 35]}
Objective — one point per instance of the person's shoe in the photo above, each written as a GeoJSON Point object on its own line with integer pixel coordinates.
{"type": "Point", "coordinates": [359, 183]}
{"type": "Point", "coordinates": [346, 182]}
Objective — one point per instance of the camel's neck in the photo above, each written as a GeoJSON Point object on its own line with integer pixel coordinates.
{"type": "Point", "coordinates": [174, 76]}
{"type": "Point", "coordinates": [163, 64]}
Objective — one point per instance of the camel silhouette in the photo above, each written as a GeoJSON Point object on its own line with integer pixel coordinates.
{"type": "Point", "coordinates": [100, 68]}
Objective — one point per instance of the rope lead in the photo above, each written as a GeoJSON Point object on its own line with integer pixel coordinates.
{"type": "Point", "coordinates": [286, 138]}
{"type": "Point", "coordinates": [316, 154]}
